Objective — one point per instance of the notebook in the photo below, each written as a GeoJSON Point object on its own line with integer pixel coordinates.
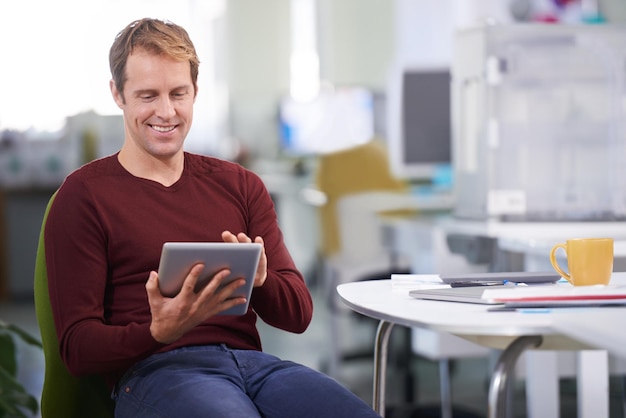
{"type": "Point", "coordinates": [472, 294]}
{"type": "Point", "coordinates": [512, 296]}
{"type": "Point", "coordinates": [514, 277]}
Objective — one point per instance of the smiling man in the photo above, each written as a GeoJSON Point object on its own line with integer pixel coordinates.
{"type": "Point", "coordinates": [174, 356]}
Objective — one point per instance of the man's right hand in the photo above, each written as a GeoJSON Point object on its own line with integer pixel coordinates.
{"type": "Point", "coordinates": [174, 317]}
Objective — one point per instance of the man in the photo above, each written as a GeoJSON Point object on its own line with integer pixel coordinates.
{"type": "Point", "coordinates": [174, 357]}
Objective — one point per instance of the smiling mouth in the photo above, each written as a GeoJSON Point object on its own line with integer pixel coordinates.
{"type": "Point", "coordinates": [168, 128]}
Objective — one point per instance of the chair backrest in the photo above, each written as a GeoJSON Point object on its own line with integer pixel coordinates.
{"type": "Point", "coordinates": [63, 394]}
{"type": "Point", "coordinates": [360, 169]}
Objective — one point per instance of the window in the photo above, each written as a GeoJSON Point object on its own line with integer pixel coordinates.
{"type": "Point", "coordinates": [55, 60]}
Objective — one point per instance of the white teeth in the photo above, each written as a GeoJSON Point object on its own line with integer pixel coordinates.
{"type": "Point", "coordinates": [163, 128]}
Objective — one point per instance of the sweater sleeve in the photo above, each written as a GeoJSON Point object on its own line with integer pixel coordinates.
{"type": "Point", "coordinates": [284, 300]}
{"type": "Point", "coordinates": [76, 260]}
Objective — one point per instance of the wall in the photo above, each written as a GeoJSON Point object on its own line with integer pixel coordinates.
{"type": "Point", "coordinates": [355, 42]}
{"type": "Point", "coordinates": [257, 70]}
{"type": "Point", "coordinates": [614, 10]}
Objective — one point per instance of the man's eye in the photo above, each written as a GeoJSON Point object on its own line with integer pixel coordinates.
{"type": "Point", "coordinates": [146, 96]}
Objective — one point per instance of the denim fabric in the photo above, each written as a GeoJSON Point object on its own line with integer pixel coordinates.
{"type": "Point", "coordinates": [215, 381]}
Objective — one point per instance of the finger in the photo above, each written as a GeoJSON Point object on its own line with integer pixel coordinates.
{"type": "Point", "coordinates": [218, 278]}
{"type": "Point", "coordinates": [153, 292]}
{"type": "Point", "coordinates": [227, 297]}
{"type": "Point", "coordinates": [222, 290]}
{"type": "Point", "coordinates": [262, 267]}
{"type": "Point", "coordinates": [215, 293]}
{"type": "Point", "coordinates": [230, 303]}
{"type": "Point", "coordinates": [241, 237]}
{"type": "Point", "coordinates": [228, 236]}
{"type": "Point", "coordinates": [213, 289]}
{"type": "Point", "coordinates": [189, 285]}
{"type": "Point", "coordinates": [228, 289]}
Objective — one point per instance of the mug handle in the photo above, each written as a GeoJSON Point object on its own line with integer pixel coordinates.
{"type": "Point", "coordinates": [555, 264]}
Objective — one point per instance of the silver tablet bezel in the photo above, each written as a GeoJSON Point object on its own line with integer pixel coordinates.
{"type": "Point", "coordinates": [177, 259]}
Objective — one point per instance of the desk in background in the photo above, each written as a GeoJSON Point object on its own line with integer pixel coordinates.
{"type": "Point", "coordinates": [511, 331]}
{"type": "Point", "coordinates": [533, 240]}
{"type": "Point", "coordinates": [499, 246]}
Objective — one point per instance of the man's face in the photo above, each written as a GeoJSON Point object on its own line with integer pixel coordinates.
{"type": "Point", "coordinates": [157, 104]}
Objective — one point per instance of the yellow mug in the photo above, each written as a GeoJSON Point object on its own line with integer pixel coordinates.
{"type": "Point", "coordinates": [589, 260]}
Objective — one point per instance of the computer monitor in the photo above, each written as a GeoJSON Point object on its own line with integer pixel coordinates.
{"type": "Point", "coordinates": [419, 123]}
{"type": "Point", "coordinates": [336, 119]}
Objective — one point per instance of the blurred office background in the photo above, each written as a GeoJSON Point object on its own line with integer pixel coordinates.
{"type": "Point", "coordinates": [267, 68]}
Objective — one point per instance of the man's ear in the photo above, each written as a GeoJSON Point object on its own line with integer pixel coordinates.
{"type": "Point", "coordinates": [117, 96]}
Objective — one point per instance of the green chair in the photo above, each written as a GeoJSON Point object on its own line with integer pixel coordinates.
{"type": "Point", "coordinates": [63, 394]}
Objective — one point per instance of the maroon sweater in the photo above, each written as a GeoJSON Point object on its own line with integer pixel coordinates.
{"type": "Point", "coordinates": [104, 235]}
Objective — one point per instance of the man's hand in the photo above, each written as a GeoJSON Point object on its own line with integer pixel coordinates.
{"type": "Point", "coordinates": [174, 317]}
{"type": "Point", "coordinates": [261, 271]}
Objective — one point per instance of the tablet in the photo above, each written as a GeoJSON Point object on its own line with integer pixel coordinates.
{"type": "Point", "coordinates": [177, 258]}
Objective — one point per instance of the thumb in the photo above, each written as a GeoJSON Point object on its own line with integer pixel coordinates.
{"type": "Point", "coordinates": [152, 285]}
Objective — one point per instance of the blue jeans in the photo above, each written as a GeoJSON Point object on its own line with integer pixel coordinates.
{"type": "Point", "coordinates": [215, 381]}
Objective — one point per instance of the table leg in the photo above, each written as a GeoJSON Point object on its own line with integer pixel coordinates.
{"type": "Point", "coordinates": [380, 365]}
{"type": "Point", "coordinates": [501, 374]}
{"type": "Point", "coordinates": [542, 384]}
{"type": "Point", "coordinates": [593, 383]}
{"type": "Point", "coordinates": [444, 388]}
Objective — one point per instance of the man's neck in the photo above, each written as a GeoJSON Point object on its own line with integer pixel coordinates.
{"type": "Point", "coordinates": [164, 171]}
